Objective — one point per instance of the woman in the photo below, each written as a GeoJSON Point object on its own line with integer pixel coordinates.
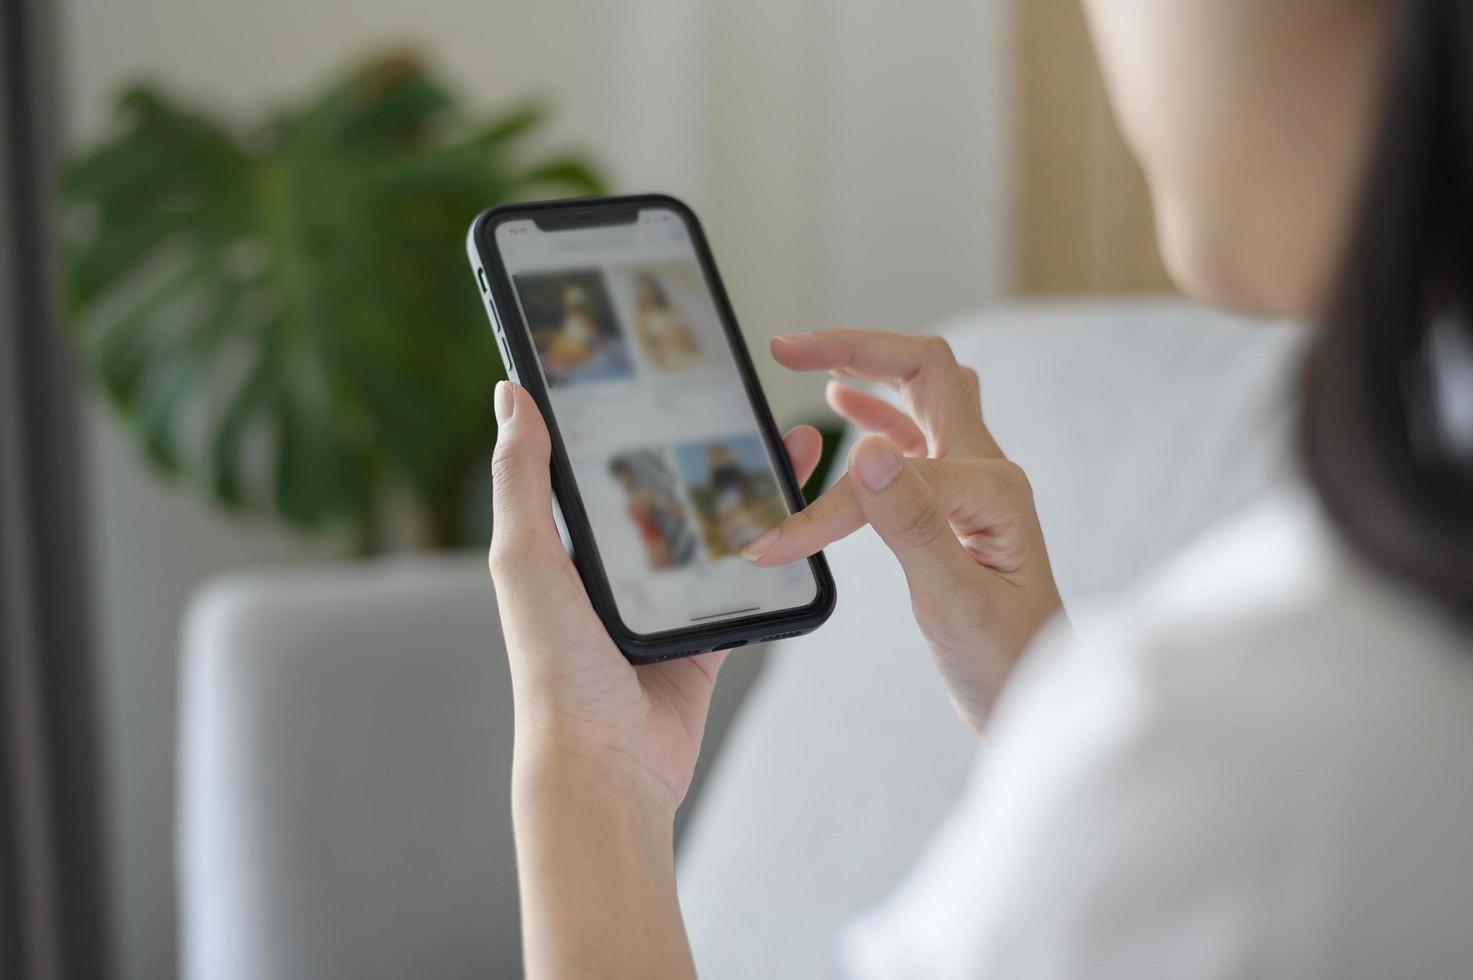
{"type": "Point", "coordinates": [662, 332]}
{"type": "Point", "coordinates": [1253, 765]}
{"type": "Point", "coordinates": [577, 337]}
{"type": "Point", "coordinates": [652, 507]}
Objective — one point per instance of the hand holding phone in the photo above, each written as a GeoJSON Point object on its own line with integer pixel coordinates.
{"type": "Point", "coordinates": [576, 692]}
{"type": "Point", "coordinates": [664, 459]}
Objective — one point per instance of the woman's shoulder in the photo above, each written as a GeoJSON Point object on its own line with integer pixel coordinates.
{"type": "Point", "coordinates": [1273, 692]}
{"type": "Point", "coordinates": [1270, 601]}
{"type": "Point", "coordinates": [1254, 758]}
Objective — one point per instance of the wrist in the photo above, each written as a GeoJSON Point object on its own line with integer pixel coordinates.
{"type": "Point", "coordinates": [595, 864]}
{"type": "Point", "coordinates": [553, 769]}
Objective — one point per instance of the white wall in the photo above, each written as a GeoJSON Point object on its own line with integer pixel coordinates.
{"type": "Point", "coordinates": [848, 158]}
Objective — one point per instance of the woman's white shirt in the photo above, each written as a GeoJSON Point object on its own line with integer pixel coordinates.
{"type": "Point", "coordinates": [1258, 764]}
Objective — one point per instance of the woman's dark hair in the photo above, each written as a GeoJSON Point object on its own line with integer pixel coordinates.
{"type": "Point", "coordinates": [1386, 422]}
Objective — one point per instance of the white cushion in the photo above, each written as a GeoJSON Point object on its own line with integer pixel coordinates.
{"type": "Point", "coordinates": [1139, 425]}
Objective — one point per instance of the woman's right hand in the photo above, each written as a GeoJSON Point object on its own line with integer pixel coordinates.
{"type": "Point", "coordinates": [937, 488]}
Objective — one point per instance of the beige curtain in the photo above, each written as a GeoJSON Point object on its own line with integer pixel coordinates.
{"type": "Point", "coordinates": [1082, 217]}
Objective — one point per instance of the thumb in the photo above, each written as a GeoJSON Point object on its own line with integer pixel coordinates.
{"type": "Point", "coordinates": [906, 512]}
{"type": "Point", "coordinates": [521, 498]}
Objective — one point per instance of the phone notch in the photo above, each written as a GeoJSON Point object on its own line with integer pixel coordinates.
{"type": "Point", "coordinates": [599, 217]}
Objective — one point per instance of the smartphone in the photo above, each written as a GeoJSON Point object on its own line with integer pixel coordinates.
{"type": "Point", "coordinates": [665, 458]}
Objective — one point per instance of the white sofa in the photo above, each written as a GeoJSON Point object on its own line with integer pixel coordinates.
{"type": "Point", "coordinates": [345, 731]}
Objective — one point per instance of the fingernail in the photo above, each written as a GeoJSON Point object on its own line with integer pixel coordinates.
{"type": "Point", "coordinates": [762, 544]}
{"type": "Point", "coordinates": [505, 402]}
{"type": "Point", "coordinates": [876, 463]}
{"type": "Point", "coordinates": [785, 338]}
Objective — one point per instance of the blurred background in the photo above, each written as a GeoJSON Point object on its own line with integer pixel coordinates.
{"type": "Point", "coordinates": [856, 162]}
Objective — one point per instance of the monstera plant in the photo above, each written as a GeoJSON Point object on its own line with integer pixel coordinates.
{"type": "Point", "coordinates": [281, 315]}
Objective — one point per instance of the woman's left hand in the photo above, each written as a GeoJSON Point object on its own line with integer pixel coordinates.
{"type": "Point", "coordinates": [575, 694]}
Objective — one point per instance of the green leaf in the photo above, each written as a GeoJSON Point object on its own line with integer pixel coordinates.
{"type": "Point", "coordinates": [224, 456]}
{"type": "Point", "coordinates": [512, 125]}
{"type": "Point", "coordinates": [572, 174]}
{"type": "Point", "coordinates": [279, 308]}
{"type": "Point", "coordinates": [120, 348]}
{"type": "Point", "coordinates": [109, 258]}
{"type": "Point", "coordinates": [175, 378]}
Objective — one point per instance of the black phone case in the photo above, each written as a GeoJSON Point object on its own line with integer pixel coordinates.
{"type": "Point", "coordinates": [515, 341]}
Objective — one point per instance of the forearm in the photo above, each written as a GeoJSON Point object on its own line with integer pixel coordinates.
{"type": "Point", "coordinates": [596, 868]}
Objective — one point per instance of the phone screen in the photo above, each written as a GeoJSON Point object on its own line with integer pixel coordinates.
{"type": "Point", "coordinates": [663, 440]}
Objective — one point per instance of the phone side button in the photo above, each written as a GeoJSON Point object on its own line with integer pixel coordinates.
{"type": "Point", "coordinates": [481, 277]}
{"type": "Point", "coordinates": [562, 526]}
{"type": "Point", "coordinates": [511, 370]}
